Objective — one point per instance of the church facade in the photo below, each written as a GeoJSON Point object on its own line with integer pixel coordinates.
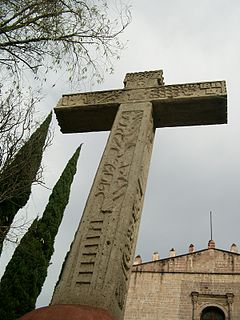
{"type": "Point", "coordinates": [199, 285]}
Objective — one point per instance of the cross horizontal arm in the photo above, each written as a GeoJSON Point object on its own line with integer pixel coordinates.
{"type": "Point", "coordinates": [173, 105]}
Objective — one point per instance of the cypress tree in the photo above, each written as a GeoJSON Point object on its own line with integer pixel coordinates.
{"type": "Point", "coordinates": [17, 177]}
{"type": "Point", "coordinates": [25, 274]}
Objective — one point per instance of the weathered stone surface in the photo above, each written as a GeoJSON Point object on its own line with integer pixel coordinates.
{"type": "Point", "coordinates": [98, 267]}
{"type": "Point", "coordinates": [68, 312]}
{"type": "Point", "coordinates": [145, 79]}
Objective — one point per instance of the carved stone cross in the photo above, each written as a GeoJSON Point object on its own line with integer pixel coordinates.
{"type": "Point", "coordinates": [97, 269]}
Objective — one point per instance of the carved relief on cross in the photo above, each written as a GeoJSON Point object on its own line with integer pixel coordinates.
{"type": "Point", "coordinates": [97, 269]}
{"type": "Point", "coordinates": [173, 105]}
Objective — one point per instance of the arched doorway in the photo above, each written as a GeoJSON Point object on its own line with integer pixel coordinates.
{"type": "Point", "coordinates": [212, 313]}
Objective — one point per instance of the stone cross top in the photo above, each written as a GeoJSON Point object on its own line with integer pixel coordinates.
{"type": "Point", "coordinates": [98, 266]}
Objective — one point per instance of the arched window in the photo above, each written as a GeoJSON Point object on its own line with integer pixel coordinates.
{"type": "Point", "coordinates": [212, 313]}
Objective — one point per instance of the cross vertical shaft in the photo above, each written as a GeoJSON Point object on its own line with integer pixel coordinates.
{"type": "Point", "coordinates": [97, 269]}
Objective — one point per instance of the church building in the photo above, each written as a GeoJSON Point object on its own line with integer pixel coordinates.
{"type": "Point", "coordinates": [199, 285]}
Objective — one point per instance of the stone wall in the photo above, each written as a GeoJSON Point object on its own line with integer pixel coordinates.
{"type": "Point", "coordinates": [182, 294]}
{"type": "Point", "coordinates": [169, 295]}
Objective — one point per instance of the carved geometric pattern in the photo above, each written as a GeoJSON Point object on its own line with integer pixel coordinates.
{"type": "Point", "coordinates": [177, 92]}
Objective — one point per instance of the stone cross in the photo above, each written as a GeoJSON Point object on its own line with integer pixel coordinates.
{"type": "Point", "coordinates": [97, 269]}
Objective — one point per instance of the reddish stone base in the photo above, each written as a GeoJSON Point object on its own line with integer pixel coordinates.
{"type": "Point", "coordinates": [68, 312]}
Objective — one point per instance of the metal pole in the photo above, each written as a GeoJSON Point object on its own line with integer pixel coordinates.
{"type": "Point", "coordinates": [211, 225]}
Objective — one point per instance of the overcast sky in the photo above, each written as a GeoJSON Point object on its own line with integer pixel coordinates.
{"type": "Point", "coordinates": [194, 170]}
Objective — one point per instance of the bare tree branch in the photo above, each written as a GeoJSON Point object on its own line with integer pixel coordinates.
{"type": "Point", "coordinates": [58, 30]}
{"type": "Point", "coordinates": [81, 37]}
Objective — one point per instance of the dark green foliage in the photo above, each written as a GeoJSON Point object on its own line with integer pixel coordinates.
{"type": "Point", "coordinates": [17, 177]}
{"type": "Point", "coordinates": [25, 274]}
